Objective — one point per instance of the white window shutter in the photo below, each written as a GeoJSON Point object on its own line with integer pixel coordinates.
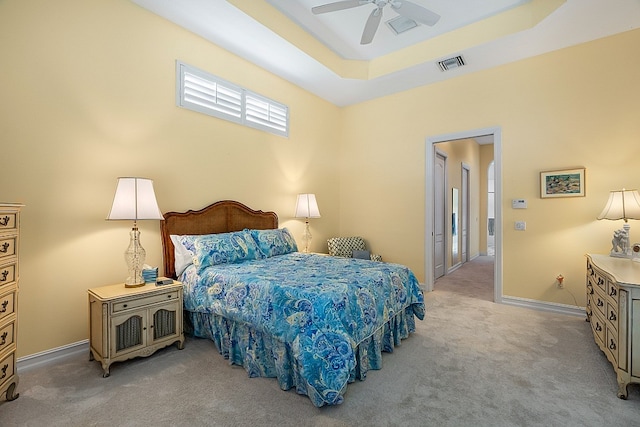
{"type": "Point", "coordinates": [205, 93]}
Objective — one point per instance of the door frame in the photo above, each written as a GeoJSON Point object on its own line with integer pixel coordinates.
{"type": "Point", "coordinates": [429, 204]}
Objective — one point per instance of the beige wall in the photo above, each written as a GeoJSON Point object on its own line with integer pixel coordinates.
{"type": "Point", "coordinates": [564, 109]}
{"type": "Point", "coordinates": [88, 95]}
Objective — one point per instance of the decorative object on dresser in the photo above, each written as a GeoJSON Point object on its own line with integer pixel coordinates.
{"type": "Point", "coordinates": [622, 204]}
{"type": "Point", "coordinates": [9, 277]}
{"type": "Point", "coordinates": [134, 200]}
{"type": "Point", "coordinates": [613, 308]}
{"type": "Point", "coordinates": [129, 322]}
{"type": "Point", "coordinates": [307, 207]}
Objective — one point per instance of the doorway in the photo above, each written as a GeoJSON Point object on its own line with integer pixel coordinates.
{"type": "Point", "coordinates": [495, 135]}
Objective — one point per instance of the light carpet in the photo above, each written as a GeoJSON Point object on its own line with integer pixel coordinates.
{"type": "Point", "coordinates": [471, 362]}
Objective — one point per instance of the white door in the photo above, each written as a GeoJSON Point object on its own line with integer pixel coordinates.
{"type": "Point", "coordinates": [439, 215]}
{"type": "Point", "coordinates": [464, 215]}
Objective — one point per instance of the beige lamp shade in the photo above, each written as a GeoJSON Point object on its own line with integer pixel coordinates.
{"type": "Point", "coordinates": [622, 204]}
{"type": "Point", "coordinates": [134, 200]}
{"type": "Point", "coordinates": [307, 207]}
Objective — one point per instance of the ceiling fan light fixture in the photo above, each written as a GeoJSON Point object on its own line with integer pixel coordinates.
{"type": "Point", "coordinates": [400, 24]}
{"type": "Point", "coordinates": [451, 63]}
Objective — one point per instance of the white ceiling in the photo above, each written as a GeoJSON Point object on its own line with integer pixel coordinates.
{"type": "Point", "coordinates": [341, 31]}
{"type": "Point", "coordinates": [251, 34]}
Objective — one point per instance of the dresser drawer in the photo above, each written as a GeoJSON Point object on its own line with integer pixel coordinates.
{"type": "Point", "coordinates": [611, 315]}
{"type": "Point", "coordinates": [612, 291]}
{"type": "Point", "coordinates": [7, 274]}
{"type": "Point", "coordinates": [8, 221]}
{"type": "Point", "coordinates": [7, 334]}
{"type": "Point", "coordinates": [611, 343]}
{"type": "Point", "coordinates": [7, 305]}
{"type": "Point", "coordinates": [599, 303]}
{"type": "Point", "coordinates": [144, 301]}
{"type": "Point", "coordinates": [598, 327]}
{"type": "Point", "coordinates": [7, 247]}
{"type": "Point", "coordinates": [7, 368]}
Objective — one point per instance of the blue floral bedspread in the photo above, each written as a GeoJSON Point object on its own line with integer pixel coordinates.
{"type": "Point", "coordinates": [321, 307]}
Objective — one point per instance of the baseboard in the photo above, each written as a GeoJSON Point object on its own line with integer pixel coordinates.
{"type": "Point", "coordinates": [570, 310]}
{"type": "Point", "coordinates": [52, 355]}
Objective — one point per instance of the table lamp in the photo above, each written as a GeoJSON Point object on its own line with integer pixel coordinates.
{"type": "Point", "coordinates": [622, 204]}
{"type": "Point", "coordinates": [134, 200]}
{"type": "Point", "coordinates": [307, 207]}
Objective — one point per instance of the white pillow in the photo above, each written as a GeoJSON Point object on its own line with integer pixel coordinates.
{"type": "Point", "coordinates": [182, 254]}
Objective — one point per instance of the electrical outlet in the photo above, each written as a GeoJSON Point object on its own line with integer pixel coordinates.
{"type": "Point", "coordinates": [520, 225]}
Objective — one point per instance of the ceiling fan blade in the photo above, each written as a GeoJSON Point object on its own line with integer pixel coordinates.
{"type": "Point", "coordinates": [370, 28]}
{"type": "Point", "coordinates": [339, 5]}
{"type": "Point", "coordinates": [415, 12]}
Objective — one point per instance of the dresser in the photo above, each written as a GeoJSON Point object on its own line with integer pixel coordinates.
{"type": "Point", "coordinates": [9, 275]}
{"type": "Point", "coordinates": [131, 322]}
{"type": "Point", "coordinates": [613, 308]}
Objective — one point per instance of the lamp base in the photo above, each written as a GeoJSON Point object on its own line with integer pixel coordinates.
{"type": "Point", "coordinates": [306, 237]}
{"type": "Point", "coordinates": [134, 257]}
{"type": "Point", "coordinates": [620, 247]}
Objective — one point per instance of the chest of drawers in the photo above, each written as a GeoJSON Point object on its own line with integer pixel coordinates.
{"type": "Point", "coordinates": [613, 308]}
{"type": "Point", "coordinates": [9, 276]}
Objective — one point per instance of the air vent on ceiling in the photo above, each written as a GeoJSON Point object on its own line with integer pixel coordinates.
{"type": "Point", "coordinates": [401, 24]}
{"type": "Point", "coordinates": [449, 63]}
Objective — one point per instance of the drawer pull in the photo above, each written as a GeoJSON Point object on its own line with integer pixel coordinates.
{"type": "Point", "coordinates": [4, 371]}
{"type": "Point", "coordinates": [169, 296]}
{"type": "Point", "coordinates": [613, 292]}
{"type": "Point", "coordinates": [4, 221]}
{"type": "Point", "coordinates": [125, 305]}
{"type": "Point", "coordinates": [4, 338]}
{"type": "Point", "coordinates": [612, 346]}
{"type": "Point", "coordinates": [612, 316]}
{"type": "Point", "coordinates": [600, 303]}
{"type": "Point", "coordinates": [590, 289]}
{"type": "Point", "coordinates": [4, 275]}
{"type": "Point", "coordinates": [5, 303]}
{"type": "Point", "coordinates": [4, 248]}
{"type": "Point", "coordinates": [600, 281]}
{"type": "Point", "coordinates": [598, 327]}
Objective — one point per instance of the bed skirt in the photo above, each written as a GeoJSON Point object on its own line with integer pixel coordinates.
{"type": "Point", "coordinates": [262, 355]}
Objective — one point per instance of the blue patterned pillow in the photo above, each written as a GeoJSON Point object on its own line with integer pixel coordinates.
{"type": "Point", "coordinates": [225, 248]}
{"type": "Point", "coordinates": [275, 242]}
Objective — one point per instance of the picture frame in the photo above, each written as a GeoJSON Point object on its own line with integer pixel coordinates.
{"type": "Point", "coordinates": [562, 183]}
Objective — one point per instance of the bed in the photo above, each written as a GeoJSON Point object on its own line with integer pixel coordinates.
{"type": "Point", "coordinates": [314, 322]}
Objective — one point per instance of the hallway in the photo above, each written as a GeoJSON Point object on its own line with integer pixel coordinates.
{"type": "Point", "coordinates": [473, 279]}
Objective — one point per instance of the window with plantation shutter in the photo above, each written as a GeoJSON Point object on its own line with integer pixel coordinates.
{"type": "Point", "coordinates": [200, 91]}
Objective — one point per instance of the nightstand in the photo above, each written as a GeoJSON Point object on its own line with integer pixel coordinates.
{"type": "Point", "coordinates": [130, 322]}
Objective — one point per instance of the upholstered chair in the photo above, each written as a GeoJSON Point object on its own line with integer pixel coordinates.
{"type": "Point", "coordinates": [350, 247]}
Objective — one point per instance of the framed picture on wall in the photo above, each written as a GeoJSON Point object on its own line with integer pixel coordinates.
{"type": "Point", "coordinates": [562, 183]}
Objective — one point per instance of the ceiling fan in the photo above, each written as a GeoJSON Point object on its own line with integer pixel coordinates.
{"type": "Point", "coordinates": [402, 7]}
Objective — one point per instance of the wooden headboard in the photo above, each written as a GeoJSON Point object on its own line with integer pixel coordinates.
{"type": "Point", "coordinates": [221, 217]}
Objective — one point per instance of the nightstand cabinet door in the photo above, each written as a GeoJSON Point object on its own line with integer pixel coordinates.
{"type": "Point", "coordinates": [132, 322]}
{"type": "Point", "coordinates": [128, 332]}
